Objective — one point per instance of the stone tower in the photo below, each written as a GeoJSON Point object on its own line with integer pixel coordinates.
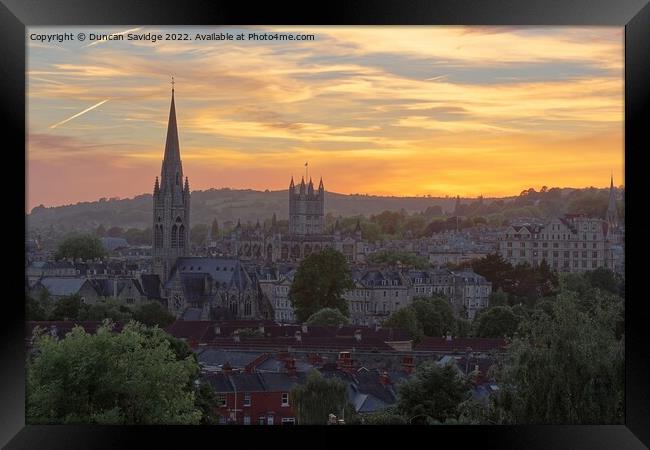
{"type": "Point", "coordinates": [306, 208]}
{"type": "Point", "coordinates": [171, 205]}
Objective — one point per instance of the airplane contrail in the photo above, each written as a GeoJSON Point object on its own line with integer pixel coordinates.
{"type": "Point", "coordinates": [113, 34]}
{"type": "Point", "coordinates": [79, 113]}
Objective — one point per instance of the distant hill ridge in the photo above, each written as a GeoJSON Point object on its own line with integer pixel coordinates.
{"type": "Point", "coordinates": [227, 205]}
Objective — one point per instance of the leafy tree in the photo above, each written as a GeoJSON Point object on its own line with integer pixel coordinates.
{"type": "Point", "coordinates": [435, 315]}
{"type": "Point", "coordinates": [34, 310]}
{"type": "Point", "coordinates": [386, 416]}
{"type": "Point", "coordinates": [496, 270]}
{"type": "Point", "coordinates": [567, 367]}
{"type": "Point", "coordinates": [105, 309]}
{"type": "Point", "coordinates": [132, 377]}
{"type": "Point", "coordinates": [115, 232]}
{"type": "Point", "coordinates": [392, 257]}
{"type": "Point", "coordinates": [67, 308]}
{"type": "Point", "coordinates": [206, 402]}
{"type": "Point", "coordinates": [496, 322]}
{"type": "Point", "coordinates": [606, 280]}
{"type": "Point", "coordinates": [431, 391]}
{"type": "Point", "coordinates": [498, 298]}
{"type": "Point", "coordinates": [328, 317]}
{"type": "Point", "coordinates": [320, 282]}
{"type": "Point", "coordinates": [153, 313]}
{"type": "Point", "coordinates": [407, 319]}
{"type": "Point", "coordinates": [319, 397]}
{"type": "Point", "coordinates": [84, 246]}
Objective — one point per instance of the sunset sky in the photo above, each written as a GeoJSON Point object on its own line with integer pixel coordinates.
{"type": "Point", "coordinates": [380, 110]}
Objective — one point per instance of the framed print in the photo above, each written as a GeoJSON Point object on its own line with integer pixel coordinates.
{"type": "Point", "coordinates": [252, 222]}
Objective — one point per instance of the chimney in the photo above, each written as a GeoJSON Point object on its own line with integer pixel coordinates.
{"type": "Point", "coordinates": [235, 335]}
{"type": "Point", "coordinates": [217, 329]}
{"type": "Point", "coordinates": [357, 335]}
{"type": "Point", "coordinates": [384, 379]}
{"type": "Point", "coordinates": [261, 328]}
{"type": "Point", "coordinates": [304, 328]}
{"type": "Point", "coordinates": [377, 326]}
{"type": "Point", "coordinates": [448, 337]}
{"type": "Point", "coordinates": [298, 336]}
{"type": "Point", "coordinates": [290, 365]}
{"type": "Point", "coordinates": [226, 368]}
{"type": "Point", "coordinates": [407, 364]}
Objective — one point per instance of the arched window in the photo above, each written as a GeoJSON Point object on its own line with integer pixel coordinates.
{"type": "Point", "coordinates": [181, 236]}
{"type": "Point", "coordinates": [174, 237]}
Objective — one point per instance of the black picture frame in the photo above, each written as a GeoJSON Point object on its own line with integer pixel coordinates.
{"type": "Point", "coordinates": [15, 15]}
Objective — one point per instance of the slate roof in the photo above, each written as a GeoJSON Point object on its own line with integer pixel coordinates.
{"type": "Point", "coordinates": [218, 357]}
{"type": "Point", "coordinates": [281, 382]}
{"type": "Point", "coordinates": [151, 285]}
{"type": "Point", "coordinates": [112, 243]}
{"type": "Point", "coordinates": [60, 286]}
{"type": "Point", "coordinates": [227, 272]}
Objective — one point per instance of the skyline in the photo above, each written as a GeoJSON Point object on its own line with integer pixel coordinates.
{"type": "Point", "coordinates": [376, 111]}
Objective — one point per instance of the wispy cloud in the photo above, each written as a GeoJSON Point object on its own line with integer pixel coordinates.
{"type": "Point", "coordinates": [79, 113]}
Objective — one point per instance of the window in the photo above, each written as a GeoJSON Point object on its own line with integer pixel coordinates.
{"type": "Point", "coordinates": [222, 420]}
{"type": "Point", "coordinates": [285, 399]}
{"type": "Point", "coordinates": [594, 254]}
{"type": "Point", "coordinates": [247, 420]}
{"type": "Point", "coordinates": [130, 301]}
{"type": "Point", "coordinates": [269, 420]}
{"type": "Point", "coordinates": [262, 420]}
{"type": "Point", "coordinates": [221, 400]}
{"type": "Point", "coordinates": [247, 399]}
{"type": "Point", "coordinates": [288, 421]}
{"type": "Point", "coordinates": [396, 293]}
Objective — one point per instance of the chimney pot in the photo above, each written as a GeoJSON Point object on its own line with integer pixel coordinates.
{"type": "Point", "coordinates": [357, 335]}
{"type": "Point", "coordinates": [298, 336]}
{"type": "Point", "coordinates": [304, 328]}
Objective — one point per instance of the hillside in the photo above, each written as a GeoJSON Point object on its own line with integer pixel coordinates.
{"type": "Point", "coordinates": [224, 204]}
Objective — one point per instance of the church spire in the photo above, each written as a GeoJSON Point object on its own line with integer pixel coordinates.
{"type": "Point", "coordinates": [172, 168]}
{"type": "Point", "coordinates": [612, 211]}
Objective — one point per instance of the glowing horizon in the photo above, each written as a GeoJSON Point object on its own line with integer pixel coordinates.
{"type": "Point", "coordinates": [402, 111]}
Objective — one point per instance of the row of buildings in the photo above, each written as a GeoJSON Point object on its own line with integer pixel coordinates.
{"type": "Point", "coordinates": [253, 377]}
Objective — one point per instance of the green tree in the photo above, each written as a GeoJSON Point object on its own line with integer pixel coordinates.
{"type": "Point", "coordinates": [320, 282]}
{"type": "Point", "coordinates": [199, 234]}
{"type": "Point", "coordinates": [407, 319]}
{"type": "Point", "coordinates": [496, 322]}
{"type": "Point", "coordinates": [498, 298]}
{"type": "Point", "coordinates": [206, 402]}
{"type": "Point", "coordinates": [496, 270]}
{"type": "Point", "coordinates": [432, 391]}
{"type": "Point", "coordinates": [34, 310]}
{"type": "Point", "coordinates": [319, 397]}
{"type": "Point", "coordinates": [84, 246]}
{"type": "Point", "coordinates": [435, 315]}
{"type": "Point", "coordinates": [392, 257]}
{"type": "Point", "coordinates": [153, 313]}
{"type": "Point", "coordinates": [567, 367]}
{"type": "Point", "coordinates": [386, 416]}
{"type": "Point", "coordinates": [329, 317]}
{"type": "Point", "coordinates": [66, 308]}
{"type": "Point", "coordinates": [111, 308]}
{"type": "Point", "coordinates": [131, 377]}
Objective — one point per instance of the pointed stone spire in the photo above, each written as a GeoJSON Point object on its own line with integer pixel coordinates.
{"type": "Point", "coordinates": [320, 185]}
{"type": "Point", "coordinates": [302, 186]}
{"type": "Point", "coordinates": [612, 210]}
{"type": "Point", "coordinates": [291, 185]}
{"type": "Point", "coordinates": [310, 187]}
{"type": "Point", "coordinates": [258, 224]}
{"type": "Point", "coordinates": [187, 185]}
{"type": "Point", "coordinates": [156, 187]}
{"type": "Point", "coordinates": [357, 229]}
{"type": "Point", "coordinates": [238, 224]}
{"type": "Point", "coordinates": [172, 168]}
